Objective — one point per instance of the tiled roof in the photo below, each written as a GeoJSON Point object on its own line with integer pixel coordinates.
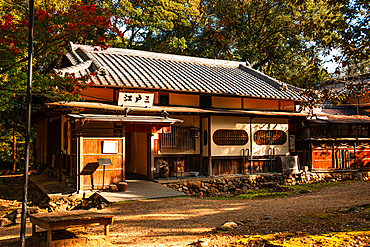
{"type": "Point", "coordinates": [147, 70]}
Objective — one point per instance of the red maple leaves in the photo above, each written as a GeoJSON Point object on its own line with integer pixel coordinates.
{"type": "Point", "coordinates": [54, 27]}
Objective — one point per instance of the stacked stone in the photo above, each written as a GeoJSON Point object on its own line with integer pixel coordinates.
{"type": "Point", "coordinates": [95, 201]}
{"type": "Point", "coordinates": [214, 187]}
{"type": "Point", "coordinates": [64, 204]}
{"type": "Point", "coordinates": [230, 186]}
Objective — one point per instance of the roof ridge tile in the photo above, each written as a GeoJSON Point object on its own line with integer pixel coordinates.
{"type": "Point", "coordinates": [161, 56]}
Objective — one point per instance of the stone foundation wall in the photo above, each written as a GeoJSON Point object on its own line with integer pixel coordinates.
{"type": "Point", "coordinates": [234, 185]}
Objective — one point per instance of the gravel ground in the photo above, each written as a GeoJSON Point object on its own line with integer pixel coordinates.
{"type": "Point", "coordinates": [182, 221]}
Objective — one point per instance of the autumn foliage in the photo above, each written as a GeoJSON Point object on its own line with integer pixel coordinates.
{"type": "Point", "coordinates": [53, 28]}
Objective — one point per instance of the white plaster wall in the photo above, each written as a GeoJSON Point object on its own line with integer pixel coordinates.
{"type": "Point", "coordinates": [232, 123]}
{"type": "Point", "coordinates": [270, 124]}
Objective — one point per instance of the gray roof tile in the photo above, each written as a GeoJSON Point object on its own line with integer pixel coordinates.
{"type": "Point", "coordinates": [147, 70]}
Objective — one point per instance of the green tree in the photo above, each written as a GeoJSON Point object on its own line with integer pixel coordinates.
{"type": "Point", "coordinates": [155, 25]}
{"type": "Point", "coordinates": [353, 49]}
{"type": "Point", "coordinates": [281, 38]}
{"type": "Point", "coordinates": [54, 27]}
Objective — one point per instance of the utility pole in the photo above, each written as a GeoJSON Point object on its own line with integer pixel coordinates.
{"type": "Point", "coordinates": [28, 126]}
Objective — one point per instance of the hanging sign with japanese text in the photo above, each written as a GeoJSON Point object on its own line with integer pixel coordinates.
{"type": "Point", "coordinates": [136, 99]}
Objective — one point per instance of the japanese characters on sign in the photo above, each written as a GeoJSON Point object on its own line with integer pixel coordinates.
{"type": "Point", "coordinates": [136, 99]}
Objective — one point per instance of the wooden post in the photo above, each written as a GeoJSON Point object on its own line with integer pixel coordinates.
{"type": "Point", "coordinates": [358, 105]}
{"type": "Point", "coordinates": [124, 157]}
{"type": "Point", "coordinates": [49, 237]}
{"type": "Point", "coordinates": [354, 153]}
{"type": "Point", "coordinates": [201, 136]}
{"type": "Point", "coordinates": [310, 148]}
{"type": "Point", "coordinates": [333, 160]}
{"type": "Point", "coordinates": [150, 157]}
{"type": "Point", "coordinates": [303, 148]}
{"type": "Point", "coordinates": [209, 148]}
{"type": "Point", "coordinates": [79, 162]}
{"type": "Point", "coordinates": [251, 142]}
{"type": "Point", "coordinates": [106, 232]}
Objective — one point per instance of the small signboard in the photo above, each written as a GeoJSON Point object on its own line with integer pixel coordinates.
{"type": "Point", "coordinates": [136, 99]}
{"type": "Point", "coordinates": [105, 162]}
{"type": "Point", "coordinates": [110, 147]}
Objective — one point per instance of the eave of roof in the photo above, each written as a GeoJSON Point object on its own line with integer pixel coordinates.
{"type": "Point", "coordinates": [170, 109]}
{"type": "Point", "coordinates": [341, 119]}
{"type": "Point", "coordinates": [336, 139]}
{"type": "Point", "coordinates": [124, 118]}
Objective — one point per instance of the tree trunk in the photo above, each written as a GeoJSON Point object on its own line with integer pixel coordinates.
{"type": "Point", "coordinates": [14, 151]}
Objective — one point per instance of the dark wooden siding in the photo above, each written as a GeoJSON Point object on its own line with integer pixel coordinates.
{"type": "Point", "coordinates": [341, 156]}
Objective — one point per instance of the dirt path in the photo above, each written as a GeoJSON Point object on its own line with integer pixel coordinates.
{"type": "Point", "coordinates": [182, 221]}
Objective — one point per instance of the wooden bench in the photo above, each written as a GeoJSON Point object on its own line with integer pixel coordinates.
{"type": "Point", "coordinates": [69, 219]}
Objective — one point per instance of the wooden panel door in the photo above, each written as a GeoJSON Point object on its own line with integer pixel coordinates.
{"type": "Point", "coordinates": [91, 173]}
{"type": "Point", "coordinates": [322, 158]}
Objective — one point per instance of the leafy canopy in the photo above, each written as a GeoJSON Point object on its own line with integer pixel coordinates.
{"type": "Point", "coordinates": [55, 26]}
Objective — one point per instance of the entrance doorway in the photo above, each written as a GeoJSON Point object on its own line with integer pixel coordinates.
{"type": "Point", "coordinates": [136, 155]}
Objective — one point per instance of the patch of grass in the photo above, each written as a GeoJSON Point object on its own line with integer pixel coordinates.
{"type": "Point", "coordinates": [254, 194]}
{"type": "Point", "coordinates": [349, 238]}
{"type": "Point", "coordinates": [287, 190]}
{"type": "Point", "coordinates": [318, 215]}
{"type": "Point", "coordinates": [343, 222]}
{"type": "Point", "coordinates": [315, 186]}
{"type": "Point", "coordinates": [313, 217]}
{"type": "Point", "coordinates": [261, 194]}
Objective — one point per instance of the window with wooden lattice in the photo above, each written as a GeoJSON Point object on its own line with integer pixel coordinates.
{"type": "Point", "coordinates": [179, 138]}
{"type": "Point", "coordinates": [340, 130]}
{"type": "Point", "coordinates": [270, 137]}
{"type": "Point", "coordinates": [360, 130]}
{"type": "Point", "coordinates": [319, 130]}
{"type": "Point", "coordinates": [226, 137]}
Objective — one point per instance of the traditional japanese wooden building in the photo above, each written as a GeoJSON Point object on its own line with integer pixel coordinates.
{"type": "Point", "coordinates": [337, 139]}
{"type": "Point", "coordinates": [156, 115]}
